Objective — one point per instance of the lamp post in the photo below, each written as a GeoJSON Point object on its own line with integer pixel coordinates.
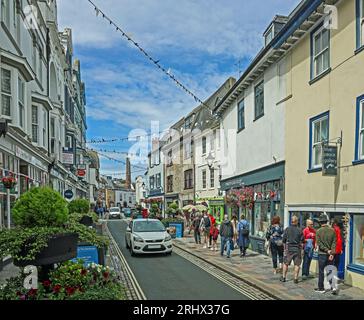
{"type": "Point", "coordinates": [210, 160]}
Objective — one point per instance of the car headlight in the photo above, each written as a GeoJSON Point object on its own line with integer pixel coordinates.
{"type": "Point", "coordinates": [138, 239]}
{"type": "Point", "coordinates": [168, 238]}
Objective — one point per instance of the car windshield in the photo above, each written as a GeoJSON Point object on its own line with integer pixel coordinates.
{"type": "Point", "coordinates": [114, 210]}
{"type": "Point", "coordinates": [149, 226]}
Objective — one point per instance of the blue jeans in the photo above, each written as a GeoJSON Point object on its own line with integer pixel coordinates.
{"type": "Point", "coordinates": [225, 241]}
{"type": "Point", "coordinates": [307, 258]}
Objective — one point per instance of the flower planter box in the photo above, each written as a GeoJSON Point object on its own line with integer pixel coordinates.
{"type": "Point", "coordinates": [60, 248]}
{"type": "Point", "coordinates": [87, 221]}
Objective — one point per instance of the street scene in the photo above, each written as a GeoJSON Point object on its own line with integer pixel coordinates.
{"type": "Point", "coordinates": [199, 152]}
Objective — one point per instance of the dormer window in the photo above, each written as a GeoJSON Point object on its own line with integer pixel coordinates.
{"type": "Point", "coordinates": [269, 36]}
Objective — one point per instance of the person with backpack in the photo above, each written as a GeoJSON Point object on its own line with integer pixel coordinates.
{"type": "Point", "coordinates": [226, 234]}
{"type": "Point", "coordinates": [309, 243]}
{"type": "Point", "coordinates": [275, 237]}
{"type": "Point", "coordinates": [196, 228]}
{"type": "Point", "coordinates": [243, 230]}
{"type": "Point", "coordinates": [205, 227]}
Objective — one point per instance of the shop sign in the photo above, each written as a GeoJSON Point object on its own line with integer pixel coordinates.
{"type": "Point", "coordinates": [67, 157]}
{"type": "Point", "coordinates": [68, 194]}
{"type": "Point", "coordinates": [216, 202]}
{"type": "Point", "coordinates": [89, 254]}
{"type": "Point", "coordinates": [21, 154]}
{"type": "Point", "coordinates": [329, 160]}
{"type": "Point", "coordinates": [232, 183]}
{"type": "Point", "coordinates": [81, 173]}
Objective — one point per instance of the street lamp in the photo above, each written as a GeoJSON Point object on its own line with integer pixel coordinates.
{"type": "Point", "coordinates": [210, 160]}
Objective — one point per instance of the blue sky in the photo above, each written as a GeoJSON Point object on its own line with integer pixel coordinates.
{"type": "Point", "coordinates": [199, 40]}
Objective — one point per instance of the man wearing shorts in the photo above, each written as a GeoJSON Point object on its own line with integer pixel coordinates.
{"type": "Point", "coordinates": [293, 245]}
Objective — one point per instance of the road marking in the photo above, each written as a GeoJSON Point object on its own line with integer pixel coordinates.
{"type": "Point", "coordinates": [233, 282]}
{"type": "Point", "coordinates": [133, 280]}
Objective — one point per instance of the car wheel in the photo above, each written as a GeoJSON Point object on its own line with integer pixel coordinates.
{"type": "Point", "coordinates": [126, 243]}
{"type": "Point", "coordinates": [169, 253]}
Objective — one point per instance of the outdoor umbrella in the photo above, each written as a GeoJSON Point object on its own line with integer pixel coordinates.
{"type": "Point", "coordinates": [201, 208]}
{"type": "Point", "coordinates": [188, 207]}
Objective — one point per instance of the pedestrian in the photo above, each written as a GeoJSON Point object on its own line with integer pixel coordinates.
{"type": "Point", "coordinates": [243, 231]}
{"type": "Point", "coordinates": [293, 245]}
{"type": "Point", "coordinates": [326, 244]}
{"type": "Point", "coordinates": [99, 210]}
{"type": "Point", "coordinates": [234, 221]}
{"type": "Point", "coordinates": [226, 234]}
{"type": "Point", "coordinates": [215, 236]}
{"type": "Point", "coordinates": [309, 244]}
{"type": "Point", "coordinates": [339, 242]}
{"type": "Point", "coordinates": [205, 226]}
{"type": "Point", "coordinates": [275, 237]}
{"type": "Point", "coordinates": [196, 228]}
{"type": "Point", "coordinates": [212, 222]}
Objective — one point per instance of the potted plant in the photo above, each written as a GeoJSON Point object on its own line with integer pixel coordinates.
{"type": "Point", "coordinates": [80, 209]}
{"type": "Point", "coordinates": [9, 181]}
{"type": "Point", "coordinates": [44, 233]}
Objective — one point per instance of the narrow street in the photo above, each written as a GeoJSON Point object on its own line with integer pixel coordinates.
{"type": "Point", "coordinates": [172, 277]}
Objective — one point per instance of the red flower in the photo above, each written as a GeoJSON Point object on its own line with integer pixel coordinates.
{"type": "Point", "coordinates": [70, 290]}
{"type": "Point", "coordinates": [46, 283]}
{"type": "Point", "coordinates": [106, 275]}
{"type": "Point", "coordinates": [57, 288]}
{"type": "Point", "coordinates": [32, 292]}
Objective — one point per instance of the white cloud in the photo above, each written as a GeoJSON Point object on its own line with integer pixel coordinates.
{"type": "Point", "coordinates": [232, 27]}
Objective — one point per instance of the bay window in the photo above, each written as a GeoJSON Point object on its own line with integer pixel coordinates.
{"type": "Point", "coordinates": [6, 92]}
{"type": "Point", "coordinates": [35, 124]}
{"type": "Point", "coordinates": [21, 99]}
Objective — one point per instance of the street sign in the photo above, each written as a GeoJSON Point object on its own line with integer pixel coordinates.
{"type": "Point", "coordinates": [68, 194]}
{"type": "Point", "coordinates": [81, 172]}
{"type": "Point", "coordinates": [329, 160]}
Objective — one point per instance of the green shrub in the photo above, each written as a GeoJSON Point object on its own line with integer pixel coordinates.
{"type": "Point", "coordinates": [41, 207]}
{"type": "Point", "coordinates": [79, 206]}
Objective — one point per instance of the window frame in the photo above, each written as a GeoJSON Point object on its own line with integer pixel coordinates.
{"type": "Point", "coordinates": [9, 95]}
{"type": "Point", "coordinates": [314, 57]}
{"type": "Point", "coordinates": [170, 184]}
{"type": "Point", "coordinates": [5, 13]}
{"type": "Point", "coordinates": [313, 121]}
{"type": "Point", "coordinates": [359, 24]}
{"type": "Point", "coordinates": [359, 131]}
{"type": "Point", "coordinates": [158, 180]}
{"type": "Point", "coordinates": [152, 182]}
{"type": "Point", "coordinates": [212, 178]}
{"type": "Point", "coordinates": [241, 115]}
{"type": "Point", "coordinates": [188, 179]}
{"type": "Point", "coordinates": [21, 104]}
{"type": "Point", "coordinates": [35, 125]}
{"type": "Point", "coordinates": [261, 112]}
{"type": "Point", "coordinates": [204, 179]}
{"type": "Point", "coordinates": [204, 145]}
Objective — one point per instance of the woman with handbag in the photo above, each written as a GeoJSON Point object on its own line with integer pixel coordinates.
{"type": "Point", "coordinates": [275, 237]}
{"type": "Point", "coordinates": [243, 235]}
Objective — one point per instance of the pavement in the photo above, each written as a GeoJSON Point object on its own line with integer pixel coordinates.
{"type": "Point", "coordinates": [172, 277]}
{"type": "Point", "coordinates": [257, 270]}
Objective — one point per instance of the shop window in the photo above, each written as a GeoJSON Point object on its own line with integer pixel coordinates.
{"type": "Point", "coordinates": [262, 218]}
{"type": "Point", "coordinates": [358, 240]}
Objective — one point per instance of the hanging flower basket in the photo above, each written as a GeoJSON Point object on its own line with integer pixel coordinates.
{"type": "Point", "coordinates": [9, 182]}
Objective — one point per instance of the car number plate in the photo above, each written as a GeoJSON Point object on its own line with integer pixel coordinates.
{"type": "Point", "coordinates": [154, 246]}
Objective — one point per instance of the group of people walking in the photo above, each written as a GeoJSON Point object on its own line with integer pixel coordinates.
{"type": "Point", "coordinates": [233, 233]}
{"type": "Point", "coordinates": [297, 245]}
{"type": "Point", "coordinates": [293, 244]}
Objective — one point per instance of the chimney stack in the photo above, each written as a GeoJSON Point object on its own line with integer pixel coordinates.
{"type": "Point", "coordinates": [128, 174]}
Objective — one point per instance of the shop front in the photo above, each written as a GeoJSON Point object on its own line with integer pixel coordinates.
{"type": "Point", "coordinates": [266, 188]}
{"type": "Point", "coordinates": [216, 207]}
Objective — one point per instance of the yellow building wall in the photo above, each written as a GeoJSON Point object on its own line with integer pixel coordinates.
{"type": "Point", "coordinates": [337, 93]}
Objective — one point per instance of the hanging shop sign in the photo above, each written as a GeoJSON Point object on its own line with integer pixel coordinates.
{"type": "Point", "coordinates": [81, 173]}
{"type": "Point", "coordinates": [67, 157]}
{"type": "Point", "coordinates": [68, 194]}
{"type": "Point", "coordinates": [329, 160]}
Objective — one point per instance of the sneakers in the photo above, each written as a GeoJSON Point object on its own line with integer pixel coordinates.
{"type": "Point", "coordinates": [295, 281]}
{"type": "Point", "coordinates": [318, 290]}
{"type": "Point", "coordinates": [205, 246]}
{"type": "Point", "coordinates": [212, 249]}
{"type": "Point", "coordinates": [334, 292]}
{"type": "Point", "coordinates": [228, 257]}
{"type": "Point", "coordinates": [282, 279]}
{"type": "Point", "coordinates": [304, 277]}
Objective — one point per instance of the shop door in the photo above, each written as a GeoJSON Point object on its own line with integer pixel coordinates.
{"type": "Point", "coordinates": [341, 271]}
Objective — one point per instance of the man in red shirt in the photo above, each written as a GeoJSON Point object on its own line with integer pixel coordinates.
{"type": "Point", "coordinates": [339, 242]}
{"type": "Point", "coordinates": [309, 243]}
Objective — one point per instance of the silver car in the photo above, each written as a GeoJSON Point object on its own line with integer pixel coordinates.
{"type": "Point", "coordinates": [115, 213]}
{"type": "Point", "coordinates": [145, 236]}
